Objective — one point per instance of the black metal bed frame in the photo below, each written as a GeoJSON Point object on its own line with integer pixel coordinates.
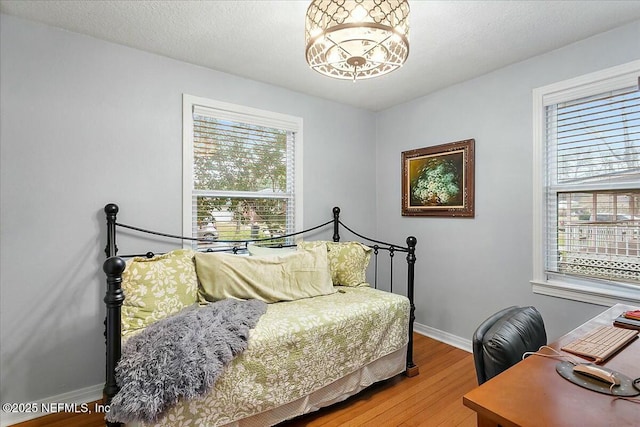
{"type": "Point", "coordinates": [114, 267]}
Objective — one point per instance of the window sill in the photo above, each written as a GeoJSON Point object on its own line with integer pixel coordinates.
{"type": "Point", "coordinates": [589, 293]}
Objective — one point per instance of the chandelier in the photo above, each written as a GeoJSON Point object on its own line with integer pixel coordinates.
{"type": "Point", "coordinates": [357, 39]}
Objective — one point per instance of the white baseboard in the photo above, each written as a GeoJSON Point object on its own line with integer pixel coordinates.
{"type": "Point", "coordinates": [445, 337]}
{"type": "Point", "coordinates": [76, 397]}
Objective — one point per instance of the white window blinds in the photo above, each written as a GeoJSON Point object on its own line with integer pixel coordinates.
{"type": "Point", "coordinates": [595, 140]}
{"type": "Point", "coordinates": [243, 183]}
{"type": "Point", "coordinates": [593, 186]}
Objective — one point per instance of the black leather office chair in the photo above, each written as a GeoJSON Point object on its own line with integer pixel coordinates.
{"type": "Point", "coordinates": [502, 339]}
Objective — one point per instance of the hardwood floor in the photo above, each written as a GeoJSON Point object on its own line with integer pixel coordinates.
{"type": "Point", "coordinates": [433, 398]}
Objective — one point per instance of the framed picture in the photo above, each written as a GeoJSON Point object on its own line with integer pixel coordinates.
{"type": "Point", "coordinates": [438, 180]}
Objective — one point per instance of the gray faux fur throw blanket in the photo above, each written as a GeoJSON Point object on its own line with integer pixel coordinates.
{"type": "Point", "coordinates": [180, 357]}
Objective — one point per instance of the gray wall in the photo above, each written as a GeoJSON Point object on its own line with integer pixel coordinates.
{"type": "Point", "coordinates": [470, 268]}
{"type": "Point", "coordinates": [86, 122]}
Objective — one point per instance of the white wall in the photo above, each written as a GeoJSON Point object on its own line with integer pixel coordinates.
{"type": "Point", "coordinates": [470, 268]}
{"type": "Point", "coordinates": [87, 122]}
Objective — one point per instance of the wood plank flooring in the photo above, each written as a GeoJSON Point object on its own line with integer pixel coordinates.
{"type": "Point", "coordinates": [433, 398]}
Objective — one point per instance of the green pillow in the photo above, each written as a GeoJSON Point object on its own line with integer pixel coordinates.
{"type": "Point", "coordinates": [157, 287]}
{"type": "Point", "coordinates": [257, 250]}
{"type": "Point", "coordinates": [270, 278]}
{"type": "Point", "coordinates": [348, 261]}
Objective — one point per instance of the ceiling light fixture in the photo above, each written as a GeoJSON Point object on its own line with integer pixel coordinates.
{"type": "Point", "coordinates": [357, 39]}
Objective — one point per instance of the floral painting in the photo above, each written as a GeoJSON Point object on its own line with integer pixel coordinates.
{"type": "Point", "coordinates": [438, 180]}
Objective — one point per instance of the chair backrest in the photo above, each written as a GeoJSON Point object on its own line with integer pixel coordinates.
{"type": "Point", "coordinates": [502, 339]}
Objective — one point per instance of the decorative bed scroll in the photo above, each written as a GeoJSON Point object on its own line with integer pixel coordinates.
{"type": "Point", "coordinates": [115, 265]}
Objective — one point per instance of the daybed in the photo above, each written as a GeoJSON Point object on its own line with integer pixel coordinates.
{"type": "Point", "coordinates": [313, 346]}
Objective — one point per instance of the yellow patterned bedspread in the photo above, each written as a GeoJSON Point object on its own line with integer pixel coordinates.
{"type": "Point", "coordinates": [297, 348]}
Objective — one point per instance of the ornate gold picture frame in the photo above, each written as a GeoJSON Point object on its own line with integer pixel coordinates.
{"type": "Point", "coordinates": [439, 180]}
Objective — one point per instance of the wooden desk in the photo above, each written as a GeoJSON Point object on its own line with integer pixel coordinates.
{"type": "Point", "coordinates": [532, 393]}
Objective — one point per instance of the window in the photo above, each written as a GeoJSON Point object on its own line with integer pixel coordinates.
{"type": "Point", "coordinates": [587, 187]}
{"type": "Point", "coordinates": [241, 171]}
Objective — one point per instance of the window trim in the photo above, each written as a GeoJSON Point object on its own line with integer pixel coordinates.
{"type": "Point", "coordinates": [238, 113]}
{"type": "Point", "coordinates": [584, 290]}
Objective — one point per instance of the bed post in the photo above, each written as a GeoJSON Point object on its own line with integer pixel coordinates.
{"type": "Point", "coordinates": [113, 267]}
{"type": "Point", "coordinates": [336, 224]}
{"type": "Point", "coordinates": [412, 369]}
{"type": "Point", "coordinates": [111, 210]}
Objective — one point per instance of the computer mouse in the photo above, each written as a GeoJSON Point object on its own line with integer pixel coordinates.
{"type": "Point", "coordinates": [596, 372]}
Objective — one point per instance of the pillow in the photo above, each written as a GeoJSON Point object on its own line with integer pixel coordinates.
{"type": "Point", "coordinates": [256, 250]}
{"type": "Point", "coordinates": [270, 278]}
{"type": "Point", "coordinates": [156, 288]}
{"type": "Point", "coordinates": [348, 261]}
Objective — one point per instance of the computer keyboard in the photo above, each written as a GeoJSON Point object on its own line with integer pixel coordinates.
{"type": "Point", "coordinates": [601, 343]}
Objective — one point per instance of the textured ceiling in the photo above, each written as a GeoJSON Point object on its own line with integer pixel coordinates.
{"type": "Point", "coordinates": [451, 41]}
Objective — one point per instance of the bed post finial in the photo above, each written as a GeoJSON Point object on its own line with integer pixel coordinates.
{"type": "Point", "coordinates": [111, 210]}
{"type": "Point", "coordinates": [336, 222]}
{"type": "Point", "coordinates": [113, 267]}
{"type": "Point", "coordinates": [412, 369]}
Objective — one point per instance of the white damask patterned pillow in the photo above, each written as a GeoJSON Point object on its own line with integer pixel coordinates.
{"type": "Point", "coordinates": [348, 261]}
{"type": "Point", "coordinates": [157, 287]}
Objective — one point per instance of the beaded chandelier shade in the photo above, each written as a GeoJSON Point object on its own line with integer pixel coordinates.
{"type": "Point", "coordinates": [357, 39]}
